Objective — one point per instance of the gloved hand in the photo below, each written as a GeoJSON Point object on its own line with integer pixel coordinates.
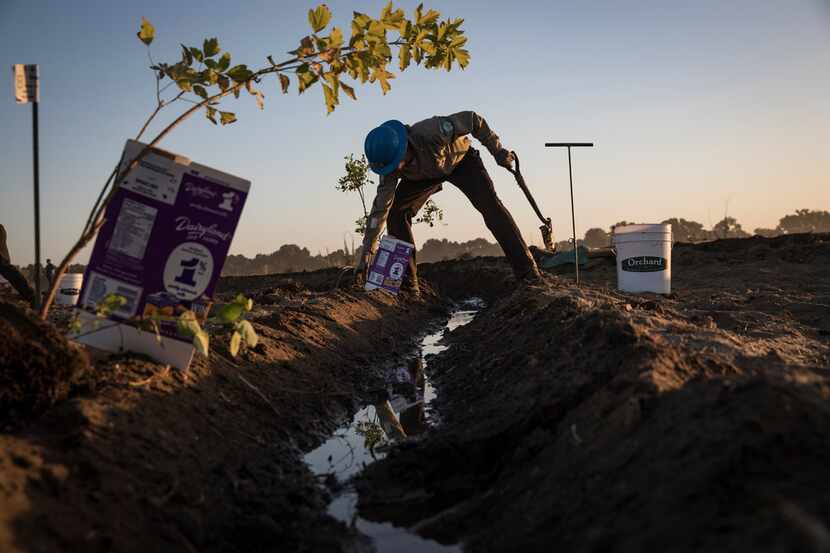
{"type": "Point", "coordinates": [359, 278]}
{"type": "Point", "coordinates": [361, 272]}
{"type": "Point", "coordinates": [505, 159]}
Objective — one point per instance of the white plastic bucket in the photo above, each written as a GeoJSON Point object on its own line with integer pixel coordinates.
{"type": "Point", "coordinates": [643, 258]}
{"type": "Point", "coordinates": [69, 289]}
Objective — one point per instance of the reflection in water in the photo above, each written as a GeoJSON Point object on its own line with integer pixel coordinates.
{"type": "Point", "coordinates": [374, 428]}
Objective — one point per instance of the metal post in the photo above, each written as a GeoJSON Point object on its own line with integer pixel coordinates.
{"type": "Point", "coordinates": [573, 217]}
{"type": "Point", "coordinates": [571, 177]}
{"type": "Point", "coordinates": [37, 203]}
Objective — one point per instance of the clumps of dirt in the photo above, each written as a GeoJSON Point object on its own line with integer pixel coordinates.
{"type": "Point", "coordinates": [209, 459]}
{"type": "Point", "coordinates": [585, 420]}
{"type": "Point", "coordinates": [38, 366]}
{"type": "Point", "coordinates": [483, 277]}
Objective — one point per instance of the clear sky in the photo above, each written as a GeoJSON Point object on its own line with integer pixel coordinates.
{"type": "Point", "coordinates": [695, 107]}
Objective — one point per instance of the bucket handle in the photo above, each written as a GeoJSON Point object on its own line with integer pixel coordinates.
{"type": "Point", "coordinates": [614, 250]}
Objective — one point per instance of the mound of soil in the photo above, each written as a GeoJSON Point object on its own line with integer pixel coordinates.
{"type": "Point", "coordinates": [38, 366]}
{"type": "Point", "coordinates": [577, 419]}
{"type": "Point", "coordinates": [587, 420]}
{"type": "Point", "coordinates": [155, 459]}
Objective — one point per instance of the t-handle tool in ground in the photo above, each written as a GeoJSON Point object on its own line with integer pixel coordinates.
{"type": "Point", "coordinates": [546, 228]}
{"type": "Point", "coordinates": [569, 145]}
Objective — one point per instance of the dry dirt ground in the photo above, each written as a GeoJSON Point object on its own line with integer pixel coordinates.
{"type": "Point", "coordinates": [589, 420]}
{"type": "Point", "coordinates": [573, 419]}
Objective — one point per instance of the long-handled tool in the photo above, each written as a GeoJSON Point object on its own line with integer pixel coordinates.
{"type": "Point", "coordinates": [569, 145]}
{"type": "Point", "coordinates": [546, 228]}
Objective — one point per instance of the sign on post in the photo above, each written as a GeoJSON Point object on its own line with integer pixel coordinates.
{"type": "Point", "coordinates": [26, 89]}
{"type": "Point", "coordinates": [168, 229]}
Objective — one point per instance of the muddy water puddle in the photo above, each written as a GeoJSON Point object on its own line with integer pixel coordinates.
{"type": "Point", "coordinates": [375, 428]}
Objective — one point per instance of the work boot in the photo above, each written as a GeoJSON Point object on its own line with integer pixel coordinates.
{"type": "Point", "coordinates": [411, 287]}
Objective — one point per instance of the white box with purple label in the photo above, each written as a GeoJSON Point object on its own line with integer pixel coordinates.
{"type": "Point", "coordinates": [390, 264]}
{"type": "Point", "coordinates": [167, 231]}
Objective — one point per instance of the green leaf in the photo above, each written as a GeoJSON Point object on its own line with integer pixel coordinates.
{"type": "Point", "coordinates": [201, 341]}
{"type": "Point", "coordinates": [211, 115]}
{"type": "Point", "coordinates": [211, 64]}
{"type": "Point", "coordinates": [185, 84]}
{"type": "Point", "coordinates": [211, 47]}
{"type": "Point", "coordinates": [405, 56]}
{"type": "Point", "coordinates": [210, 77]}
{"type": "Point", "coordinates": [249, 305]}
{"type": "Point", "coordinates": [377, 29]}
{"type": "Point", "coordinates": [430, 17]}
{"type": "Point", "coordinates": [249, 335]}
{"type": "Point", "coordinates": [319, 17]}
{"type": "Point", "coordinates": [382, 76]}
{"type": "Point", "coordinates": [236, 341]}
{"type": "Point", "coordinates": [306, 47]}
{"type": "Point", "coordinates": [187, 324]}
{"type": "Point", "coordinates": [348, 90]}
{"type": "Point", "coordinates": [200, 91]}
{"type": "Point", "coordinates": [110, 304]}
{"type": "Point", "coordinates": [240, 73]}
{"type": "Point", "coordinates": [330, 97]}
{"type": "Point", "coordinates": [305, 78]}
{"type": "Point", "coordinates": [187, 57]}
{"type": "Point", "coordinates": [329, 55]}
{"type": "Point", "coordinates": [336, 38]}
{"type": "Point", "coordinates": [224, 82]}
{"type": "Point", "coordinates": [458, 41]}
{"type": "Point", "coordinates": [229, 313]}
{"type": "Point", "coordinates": [146, 32]}
{"type": "Point", "coordinates": [360, 21]}
{"type": "Point", "coordinates": [224, 62]}
{"type": "Point", "coordinates": [284, 83]}
{"type": "Point", "coordinates": [320, 43]}
{"type": "Point", "coordinates": [196, 53]}
{"type": "Point", "coordinates": [462, 56]}
{"type": "Point", "coordinates": [226, 117]}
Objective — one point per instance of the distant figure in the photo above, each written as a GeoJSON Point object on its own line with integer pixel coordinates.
{"type": "Point", "coordinates": [10, 272]}
{"type": "Point", "coordinates": [414, 160]}
{"type": "Point", "coordinates": [50, 271]}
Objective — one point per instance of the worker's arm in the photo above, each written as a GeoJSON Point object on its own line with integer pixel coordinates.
{"type": "Point", "coordinates": [377, 217]}
{"type": "Point", "coordinates": [469, 122]}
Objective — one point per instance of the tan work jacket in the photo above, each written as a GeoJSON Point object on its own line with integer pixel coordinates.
{"type": "Point", "coordinates": [439, 144]}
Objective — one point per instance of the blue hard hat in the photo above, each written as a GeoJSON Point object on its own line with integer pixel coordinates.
{"type": "Point", "coordinates": [385, 147]}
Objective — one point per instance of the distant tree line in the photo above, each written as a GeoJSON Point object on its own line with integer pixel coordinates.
{"type": "Point", "coordinates": [291, 258]}
{"type": "Point", "coordinates": [803, 220]}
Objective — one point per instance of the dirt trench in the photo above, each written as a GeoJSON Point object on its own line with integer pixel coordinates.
{"type": "Point", "coordinates": [589, 420]}
{"type": "Point", "coordinates": [577, 420]}
{"type": "Point", "coordinates": [139, 457]}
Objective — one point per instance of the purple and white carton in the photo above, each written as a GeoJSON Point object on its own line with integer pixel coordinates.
{"type": "Point", "coordinates": [389, 265]}
{"type": "Point", "coordinates": [168, 229]}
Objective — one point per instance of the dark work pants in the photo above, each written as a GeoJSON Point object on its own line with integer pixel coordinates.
{"type": "Point", "coordinates": [471, 177]}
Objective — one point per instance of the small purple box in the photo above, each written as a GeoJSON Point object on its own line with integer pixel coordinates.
{"type": "Point", "coordinates": [389, 266]}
